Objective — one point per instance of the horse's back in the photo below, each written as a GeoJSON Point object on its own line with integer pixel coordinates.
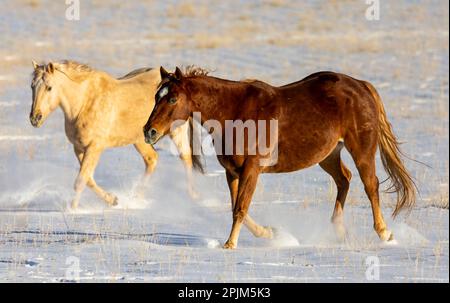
{"type": "Point", "coordinates": [142, 76]}
{"type": "Point", "coordinates": [128, 105]}
{"type": "Point", "coordinates": [350, 94]}
{"type": "Point", "coordinates": [319, 78]}
{"type": "Point", "coordinates": [135, 73]}
{"type": "Point", "coordinates": [317, 112]}
{"type": "Point", "coordinates": [136, 91]}
{"type": "Point", "coordinates": [327, 88]}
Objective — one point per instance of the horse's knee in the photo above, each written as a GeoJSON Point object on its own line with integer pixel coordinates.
{"type": "Point", "coordinates": [151, 158]}
{"type": "Point", "coordinates": [239, 215]}
{"type": "Point", "coordinates": [343, 184]}
{"type": "Point", "coordinates": [347, 174]}
{"type": "Point", "coordinates": [79, 184]}
{"type": "Point", "coordinates": [367, 174]}
{"type": "Point", "coordinates": [150, 162]}
{"type": "Point", "coordinates": [91, 183]}
{"type": "Point", "coordinates": [370, 182]}
{"type": "Point", "coordinates": [187, 159]}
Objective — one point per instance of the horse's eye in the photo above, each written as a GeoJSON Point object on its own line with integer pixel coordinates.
{"type": "Point", "coordinates": [49, 88]}
{"type": "Point", "coordinates": [172, 100]}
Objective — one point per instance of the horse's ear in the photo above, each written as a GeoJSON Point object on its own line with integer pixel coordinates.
{"type": "Point", "coordinates": [35, 65]}
{"type": "Point", "coordinates": [50, 68]}
{"type": "Point", "coordinates": [164, 73]}
{"type": "Point", "coordinates": [178, 73]}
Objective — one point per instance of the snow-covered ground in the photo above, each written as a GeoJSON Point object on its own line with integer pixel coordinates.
{"type": "Point", "coordinates": [167, 237]}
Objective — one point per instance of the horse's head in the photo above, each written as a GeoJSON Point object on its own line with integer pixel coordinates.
{"type": "Point", "coordinates": [44, 92]}
{"type": "Point", "coordinates": [171, 106]}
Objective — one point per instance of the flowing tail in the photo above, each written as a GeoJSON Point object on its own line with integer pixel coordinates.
{"type": "Point", "coordinates": [401, 181]}
{"type": "Point", "coordinates": [196, 150]}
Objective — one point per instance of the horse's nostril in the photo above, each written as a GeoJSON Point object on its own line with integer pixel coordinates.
{"type": "Point", "coordinates": [151, 135]}
{"type": "Point", "coordinates": [153, 132]}
{"type": "Point", "coordinates": [35, 119]}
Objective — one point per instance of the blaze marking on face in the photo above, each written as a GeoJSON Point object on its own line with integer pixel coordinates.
{"type": "Point", "coordinates": [163, 91]}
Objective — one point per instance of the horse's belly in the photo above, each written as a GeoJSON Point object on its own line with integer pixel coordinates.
{"type": "Point", "coordinates": [297, 155]}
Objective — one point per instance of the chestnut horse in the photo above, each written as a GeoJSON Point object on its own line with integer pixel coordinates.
{"type": "Point", "coordinates": [102, 112]}
{"type": "Point", "coordinates": [317, 117]}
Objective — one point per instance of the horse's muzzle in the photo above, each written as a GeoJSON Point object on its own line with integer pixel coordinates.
{"type": "Point", "coordinates": [36, 120]}
{"type": "Point", "coordinates": [151, 136]}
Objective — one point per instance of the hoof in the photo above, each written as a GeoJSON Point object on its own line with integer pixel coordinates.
{"type": "Point", "coordinates": [194, 195]}
{"type": "Point", "coordinates": [115, 202]}
{"type": "Point", "coordinates": [391, 237]}
{"type": "Point", "coordinates": [340, 231]}
{"type": "Point", "coordinates": [266, 232]}
{"type": "Point", "coordinates": [138, 195]}
{"type": "Point", "coordinates": [386, 235]}
{"type": "Point", "coordinates": [74, 205]}
{"type": "Point", "coordinates": [111, 200]}
{"type": "Point", "coordinates": [272, 232]}
{"type": "Point", "coordinates": [229, 245]}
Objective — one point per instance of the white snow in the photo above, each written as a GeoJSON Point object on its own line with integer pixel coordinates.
{"type": "Point", "coordinates": [165, 236]}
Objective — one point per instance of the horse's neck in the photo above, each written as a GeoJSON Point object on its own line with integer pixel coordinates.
{"type": "Point", "coordinates": [72, 99]}
{"type": "Point", "coordinates": [77, 94]}
{"type": "Point", "coordinates": [220, 105]}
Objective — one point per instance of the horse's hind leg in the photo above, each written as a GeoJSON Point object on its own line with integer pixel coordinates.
{"type": "Point", "coordinates": [88, 161]}
{"type": "Point", "coordinates": [341, 175]}
{"type": "Point", "coordinates": [362, 146]}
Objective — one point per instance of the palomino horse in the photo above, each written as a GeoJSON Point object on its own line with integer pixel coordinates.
{"type": "Point", "coordinates": [316, 117]}
{"type": "Point", "coordinates": [102, 112]}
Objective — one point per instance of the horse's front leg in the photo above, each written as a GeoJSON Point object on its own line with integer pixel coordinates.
{"type": "Point", "coordinates": [256, 229]}
{"type": "Point", "coordinates": [181, 138]}
{"type": "Point", "coordinates": [247, 184]}
{"type": "Point", "coordinates": [88, 161]}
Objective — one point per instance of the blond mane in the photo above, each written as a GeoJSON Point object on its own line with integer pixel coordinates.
{"type": "Point", "coordinates": [74, 70]}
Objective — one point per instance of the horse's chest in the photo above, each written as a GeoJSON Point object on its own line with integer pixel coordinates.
{"type": "Point", "coordinates": [231, 163]}
{"type": "Point", "coordinates": [70, 132]}
{"type": "Point", "coordinates": [78, 134]}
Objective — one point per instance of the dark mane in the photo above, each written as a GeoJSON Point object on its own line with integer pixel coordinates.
{"type": "Point", "coordinates": [37, 74]}
{"type": "Point", "coordinates": [192, 71]}
{"type": "Point", "coordinates": [135, 73]}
